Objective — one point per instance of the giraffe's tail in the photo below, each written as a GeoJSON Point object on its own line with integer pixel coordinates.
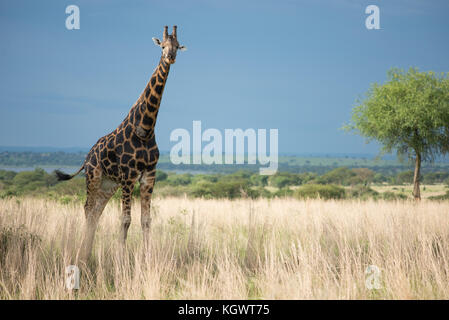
{"type": "Point", "coordinates": [64, 176]}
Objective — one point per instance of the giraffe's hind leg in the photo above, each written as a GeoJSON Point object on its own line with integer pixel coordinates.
{"type": "Point", "coordinates": [99, 191]}
{"type": "Point", "coordinates": [146, 191]}
{"type": "Point", "coordinates": [127, 191]}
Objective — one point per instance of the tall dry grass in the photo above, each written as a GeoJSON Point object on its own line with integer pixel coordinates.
{"type": "Point", "coordinates": [221, 249]}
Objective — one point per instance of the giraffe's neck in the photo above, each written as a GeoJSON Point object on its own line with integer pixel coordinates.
{"type": "Point", "coordinates": [143, 116]}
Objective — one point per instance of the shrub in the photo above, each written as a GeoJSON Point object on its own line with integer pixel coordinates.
{"type": "Point", "coordinates": [345, 176]}
{"type": "Point", "coordinates": [405, 177]}
{"type": "Point", "coordinates": [231, 189]}
{"type": "Point", "coordinates": [259, 180]}
{"type": "Point", "coordinates": [262, 192]}
{"type": "Point", "coordinates": [388, 195]}
{"type": "Point", "coordinates": [284, 192]}
{"type": "Point", "coordinates": [8, 193]}
{"type": "Point", "coordinates": [223, 189]}
{"type": "Point", "coordinates": [26, 182]}
{"type": "Point", "coordinates": [75, 186]}
{"type": "Point", "coordinates": [284, 179]}
{"type": "Point", "coordinates": [363, 176]}
{"type": "Point", "coordinates": [241, 174]}
{"type": "Point", "coordinates": [161, 175]}
{"type": "Point", "coordinates": [306, 177]}
{"type": "Point", "coordinates": [7, 175]}
{"type": "Point", "coordinates": [322, 191]}
{"type": "Point", "coordinates": [179, 179]}
{"type": "Point", "coordinates": [205, 177]}
{"type": "Point", "coordinates": [362, 192]}
{"type": "Point", "coordinates": [202, 189]}
{"type": "Point", "coordinates": [170, 191]}
{"type": "Point", "coordinates": [440, 197]}
{"type": "Point", "coordinates": [379, 178]}
{"type": "Point", "coordinates": [435, 177]}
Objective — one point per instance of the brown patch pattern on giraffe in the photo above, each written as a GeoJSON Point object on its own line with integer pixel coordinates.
{"type": "Point", "coordinates": [131, 148]}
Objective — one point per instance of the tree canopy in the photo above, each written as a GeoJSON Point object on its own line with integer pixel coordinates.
{"type": "Point", "coordinates": [409, 113]}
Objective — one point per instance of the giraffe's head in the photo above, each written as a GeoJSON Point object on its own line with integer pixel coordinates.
{"type": "Point", "coordinates": [169, 45]}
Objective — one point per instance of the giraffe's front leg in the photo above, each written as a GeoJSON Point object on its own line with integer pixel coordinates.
{"type": "Point", "coordinates": [146, 191]}
{"type": "Point", "coordinates": [127, 191]}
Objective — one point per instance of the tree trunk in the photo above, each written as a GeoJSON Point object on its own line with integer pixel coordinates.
{"type": "Point", "coordinates": [416, 191]}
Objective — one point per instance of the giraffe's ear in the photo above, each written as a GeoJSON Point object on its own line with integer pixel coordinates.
{"type": "Point", "coordinates": [182, 48]}
{"type": "Point", "coordinates": [157, 41]}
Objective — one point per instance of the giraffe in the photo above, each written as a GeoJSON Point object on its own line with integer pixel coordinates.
{"type": "Point", "coordinates": [127, 155]}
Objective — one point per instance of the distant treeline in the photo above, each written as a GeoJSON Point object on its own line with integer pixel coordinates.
{"type": "Point", "coordinates": [290, 164]}
{"type": "Point", "coordinates": [30, 159]}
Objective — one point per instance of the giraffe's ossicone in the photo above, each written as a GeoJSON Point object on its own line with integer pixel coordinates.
{"type": "Point", "coordinates": [128, 154]}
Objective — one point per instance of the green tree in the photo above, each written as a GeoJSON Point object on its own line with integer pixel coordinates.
{"type": "Point", "coordinates": [410, 114]}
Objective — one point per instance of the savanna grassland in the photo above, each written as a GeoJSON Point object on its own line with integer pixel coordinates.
{"type": "Point", "coordinates": [280, 248]}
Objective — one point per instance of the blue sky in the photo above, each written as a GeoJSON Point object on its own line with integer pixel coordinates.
{"type": "Point", "coordinates": [296, 66]}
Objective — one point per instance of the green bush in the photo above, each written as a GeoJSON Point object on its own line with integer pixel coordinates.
{"type": "Point", "coordinates": [261, 192]}
{"type": "Point", "coordinates": [202, 189]}
{"type": "Point", "coordinates": [284, 179]}
{"type": "Point", "coordinates": [179, 179]}
{"type": "Point", "coordinates": [284, 192]}
{"type": "Point", "coordinates": [440, 197]}
{"type": "Point", "coordinates": [362, 192]}
{"type": "Point", "coordinates": [435, 177]}
{"type": "Point", "coordinates": [405, 177]}
{"type": "Point", "coordinates": [161, 175]}
{"type": "Point", "coordinates": [223, 189]}
{"type": "Point", "coordinates": [7, 176]}
{"type": "Point", "coordinates": [337, 176]}
{"type": "Point", "coordinates": [205, 177]}
{"type": "Point", "coordinates": [171, 191]}
{"type": "Point", "coordinates": [379, 178]}
{"type": "Point", "coordinates": [259, 180]}
{"type": "Point", "coordinates": [26, 181]}
{"type": "Point", "coordinates": [307, 177]}
{"type": "Point", "coordinates": [388, 195]}
{"type": "Point", "coordinates": [75, 186]}
{"type": "Point", "coordinates": [8, 193]}
{"type": "Point", "coordinates": [322, 191]}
